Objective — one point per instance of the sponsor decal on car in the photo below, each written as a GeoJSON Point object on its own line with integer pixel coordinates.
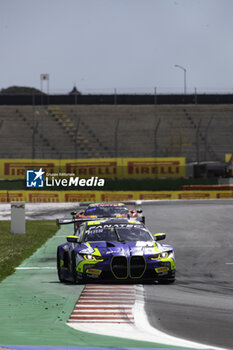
{"type": "Point", "coordinates": [94, 271]}
{"type": "Point", "coordinates": [162, 269]}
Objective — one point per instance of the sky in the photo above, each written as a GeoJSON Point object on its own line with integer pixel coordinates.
{"type": "Point", "coordinates": [128, 45]}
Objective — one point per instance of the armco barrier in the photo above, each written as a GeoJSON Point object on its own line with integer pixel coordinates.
{"type": "Point", "coordinates": [107, 168]}
{"type": "Point", "coordinates": [206, 187]}
{"type": "Point", "coordinates": [107, 196]}
{"type": "Point", "coordinates": [112, 99]}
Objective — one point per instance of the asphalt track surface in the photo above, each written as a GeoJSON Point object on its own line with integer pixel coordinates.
{"type": "Point", "coordinates": [199, 306]}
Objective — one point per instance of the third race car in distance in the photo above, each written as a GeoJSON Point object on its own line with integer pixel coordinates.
{"type": "Point", "coordinates": [115, 250]}
{"type": "Point", "coordinates": [107, 210]}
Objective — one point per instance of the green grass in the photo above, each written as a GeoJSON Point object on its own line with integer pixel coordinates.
{"type": "Point", "coordinates": [14, 248]}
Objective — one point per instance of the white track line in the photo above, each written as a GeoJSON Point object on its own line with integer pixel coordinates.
{"type": "Point", "coordinates": [94, 307]}
{"type": "Point", "coordinates": [36, 268]}
{"type": "Point", "coordinates": [101, 312]}
{"type": "Point", "coordinates": [78, 306]}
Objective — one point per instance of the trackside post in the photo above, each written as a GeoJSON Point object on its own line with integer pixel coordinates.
{"type": "Point", "coordinates": [17, 217]}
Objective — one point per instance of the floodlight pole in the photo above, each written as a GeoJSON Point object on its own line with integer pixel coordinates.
{"type": "Point", "coordinates": [44, 77]}
{"type": "Point", "coordinates": [184, 70]}
{"type": "Point", "coordinates": [155, 137]}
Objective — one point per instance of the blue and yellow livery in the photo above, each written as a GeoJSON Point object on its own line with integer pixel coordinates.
{"type": "Point", "coordinates": [115, 249]}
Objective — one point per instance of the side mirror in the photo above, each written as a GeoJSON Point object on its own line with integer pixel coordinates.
{"type": "Point", "coordinates": [139, 211]}
{"type": "Point", "coordinates": [73, 213]}
{"type": "Point", "coordinates": [72, 239]}
{"type": "Point", "coordinates": [143, 219]}
{"type": "Point", "coordinates": [159, 236]}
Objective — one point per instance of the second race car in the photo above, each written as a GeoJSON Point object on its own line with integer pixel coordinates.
{"type": "Point", "coordinates": [106, 210]}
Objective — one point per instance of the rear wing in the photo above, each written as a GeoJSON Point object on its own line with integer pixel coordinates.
{"type": "Point", "coordinates": [67, 221]}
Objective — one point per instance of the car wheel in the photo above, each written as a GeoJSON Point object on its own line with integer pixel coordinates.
{"type": "Point", "coordinates": [61, 279]}
{"type": "Point", "coordinates": [167, 281]}
{"type": "Point", "coordinates": [75, 278]}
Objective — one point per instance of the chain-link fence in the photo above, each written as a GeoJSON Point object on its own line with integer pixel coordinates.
{"type": "Point", "coordinates": [197, 132]}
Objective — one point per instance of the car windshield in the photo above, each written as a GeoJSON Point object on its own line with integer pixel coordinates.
{"type": "Point", "coordinates": [133, 234]}
{"type": "Point", "coordinates": [128, 232]}
{"type": "Point", "coordinates": [106, 211]}
{"type": "Point", "coordinates": [101, 234]}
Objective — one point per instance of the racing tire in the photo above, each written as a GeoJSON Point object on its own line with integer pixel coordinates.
{"type": "Point", "coordinates": [61, 279]}
{"type": "Point", "coordinates": [167, 281]}
{"type": "Point", "coordinates": [75, 278]}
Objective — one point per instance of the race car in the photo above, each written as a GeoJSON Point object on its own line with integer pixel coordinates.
{"type": "Point", "coordinates": [103, 210]}
{"type": "Point", "coordinates": [115, 250]}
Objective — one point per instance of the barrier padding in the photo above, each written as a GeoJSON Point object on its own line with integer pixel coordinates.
{"type": "Point", "coordinates": [206, 187]}
{"type": "Point", "coordinates": [108, 196]}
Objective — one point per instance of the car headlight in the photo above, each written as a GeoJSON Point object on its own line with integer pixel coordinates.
{"type": "Point", "coordinates": [159, 256]}
{"type": "Point", "coordinates": [171, 254]}
{"type": "Point", "coordinates": [163, 255]}
{"type": "Point", "coordinates": [92, 257]}
{"type": "Point", "coordinates": [87, 257]}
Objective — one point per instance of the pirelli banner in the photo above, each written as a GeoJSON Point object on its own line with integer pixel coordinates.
{"type": "Point", "coordinates": [16, 168]}
{"type": "Point", "coordinates": [106, 168]}
{"type": "Point", "coordinates": [107, 196]}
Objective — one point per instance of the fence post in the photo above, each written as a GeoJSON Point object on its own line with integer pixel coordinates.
{"type": "Point", "coordinates": [155, 96]}
{"type": "Point", "coordinates": [206, 136]}
{"type": "Point", "coordinates": [116, 138]}
{"type": "Point", "coordinates": [195, 96]}
{"type": "Point", "coordinates": [155, 137]}
{"type": "Point", "coordinates": [76, 139]}
{"type": "Point", "coordinates": [115, 96]}
{"type": "Point", "coordinates": [34, 131]}
{"type": "Point", "coordinates": [198, 148]}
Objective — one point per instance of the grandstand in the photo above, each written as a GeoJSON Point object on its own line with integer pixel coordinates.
{"type": "Point", "coordinates": [197, 132]}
